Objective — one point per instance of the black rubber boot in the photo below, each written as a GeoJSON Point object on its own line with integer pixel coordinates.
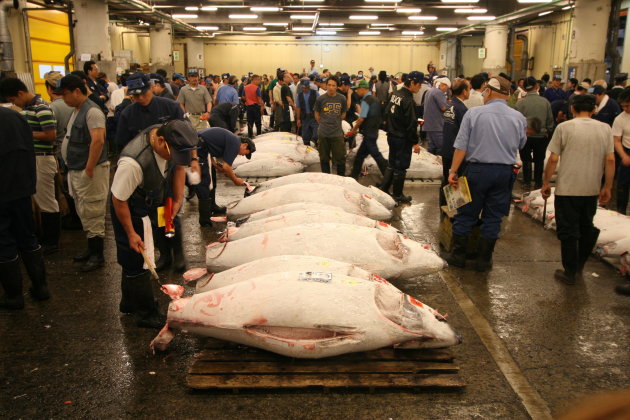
{"type": "Point", "coordinates": [51, 231]}
{"type": "Point", "coordinates": [146, 308]}
{"type": "Point", "coordinates": [356, 168]}
{"type": "Point", "coordinates": [325, 167]}
{"type": "Point", "coordinates": [341, 169]}
{"type": "Point", "coordinates": [485, 249]}
{"type": "Point", "coordinates": [397, 189]}
{"type": "Point", "coordinates": [570, 257]}
{"type": "Point", "coordinates": [83, 255]}
{"type": "Point", "coordinates": [205, 212]}
{"type": "Point", "coordinates": [457, 256]}
{"type": "Point", "coordinates": [96, 260]}
{"type": "Point", "coordinates": [585, 248]}
{"type": "Point", "coordinates": [11, 279]}
{"type": "Point", "coordinates": [382, 165]}
{"type": "Point", "coordinates": [386, 182]}
{"type": "Point", "coordinates": [34, 264]}
{"type": "Point", "coordinates": [179, 259]}
{"type": "Point", "coordinates": [216, 209]}
{"type": "Point", "coordinates": [164, 246]}
{"type": "Point", "coordinates": [623, 289]}
{"type": "Point", "coordinates": [127, 300]}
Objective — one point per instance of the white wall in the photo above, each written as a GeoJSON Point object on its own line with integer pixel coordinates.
{"type": "Point", "coordinates": [124, 38]}
{"type": "Point", "coordinates": [240, 55]}
{"type": "Point", "coordinates": [471, 62]}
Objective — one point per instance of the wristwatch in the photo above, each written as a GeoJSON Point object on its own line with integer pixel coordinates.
{"type": "Point", "coordinates": [450, 171]}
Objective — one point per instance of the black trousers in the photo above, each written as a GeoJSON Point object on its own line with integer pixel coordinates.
{"type": "Point", "coordinates": [534, 151]}
{"type": "Point", "coordinates": [574, 216]}
{"type": "Point", "coordinates": [400, 151]}
{"type": "Point", "coordinates": [17, 228]}
{"type": "Point", "coordinates": [254, 117]}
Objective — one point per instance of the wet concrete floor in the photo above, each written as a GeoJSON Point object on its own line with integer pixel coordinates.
{"type": "Point", "coordinates": [76, 356]}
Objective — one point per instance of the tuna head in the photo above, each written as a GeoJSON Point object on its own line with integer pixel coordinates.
{"type": "Point", "coordinates": [415, 318]}
{"type": "Point", "coordinates": [413, 258]}
{"type": "Point", "coordinates": [373, 209]}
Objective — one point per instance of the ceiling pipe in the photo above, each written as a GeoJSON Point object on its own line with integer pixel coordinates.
{"type": "Point", "coordinates": [499, 20]}
{"type": "Point", "coordinates": [138, 4]}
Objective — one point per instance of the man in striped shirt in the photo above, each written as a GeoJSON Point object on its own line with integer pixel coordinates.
{"type": "Point", "coordinates": [42, 121]}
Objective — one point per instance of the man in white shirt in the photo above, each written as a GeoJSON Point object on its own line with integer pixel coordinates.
{"type": "Point", "coordinates": [476, 98]}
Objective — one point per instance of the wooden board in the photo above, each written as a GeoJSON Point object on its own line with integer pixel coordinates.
{"type": "Point", "coordinates": [224, 366]}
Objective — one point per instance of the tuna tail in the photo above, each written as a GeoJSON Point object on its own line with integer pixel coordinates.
{"type": "Point", "coordinates": [162, 340]}
{"type": "Point", "coordinates": [175, 291]}
{"type": "Point", "coordinates": [199, 275]}
{"type": "Point", "coordinates": [219, 219]}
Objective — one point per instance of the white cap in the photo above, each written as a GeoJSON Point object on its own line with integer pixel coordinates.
{"type": "Point", "coordinates": [442, 80]}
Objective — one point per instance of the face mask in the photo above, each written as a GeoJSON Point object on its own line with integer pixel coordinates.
{"type": "Point", "coordinates": [484, 93]}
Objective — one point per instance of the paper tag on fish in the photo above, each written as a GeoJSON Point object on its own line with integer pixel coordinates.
{"type": "Point", "coordinates": [161, 221]}
{"type": "Point", "coordinates": [315, 276]}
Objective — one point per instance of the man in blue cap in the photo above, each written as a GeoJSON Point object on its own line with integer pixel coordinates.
{"type": "Point", "coordinates": [402, 134]}
{"type": "Point", "coordinates": [304, 112]}
{"type": "Point", "coordinates": [178, 82]}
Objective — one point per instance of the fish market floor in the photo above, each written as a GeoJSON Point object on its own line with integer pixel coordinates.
{"type": "Point", "coordinates": [75, 356]}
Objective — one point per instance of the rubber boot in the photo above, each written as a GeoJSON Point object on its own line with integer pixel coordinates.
{"type": "Point", "coordinates": [164, 246]}
{"type": "Point", "coordinates": [457, 256]}
{"type": "Point", "coordinates": [205, 212]}
{"type": "Point", "coordinates": [398, 185]}
{"type": "Point", "coordinates": [325, 167]}
{"type": "Point", "coordinates": [623, 289]}
{"type": "Point", "coordinates": [484, 254]}
{"type": "Point", "coordinates": [216, 209]}
{"type": "Point", "coordinates": [570, 256]}
{"type": "Point", "coordinates": [11, 280]}
{"type": "Point", "coordinates": [96, 260]}
{"type": "Point", "coordinates": [34, 264]}
{"type": "Point", "coordinates": [51, 231]}
{"type": "Point", "coordinates": [83, 255]}
{"type": "Point", "coordinates": [127, 300]}
{"type": "Point", "coordinates": [341, 169]}
{"type": "Point", "coordinates": [146, 308]}
{"type": "Point", "coordinates": [386, 182]}
{"type": "Point", "coordinates": [585, 248]}
{"type": "Point", "coordinates": [356, 168]}
{"type": "Point", "coordinates": [179, 259]}
{"type": "Point", "coordinates": [382, 165]}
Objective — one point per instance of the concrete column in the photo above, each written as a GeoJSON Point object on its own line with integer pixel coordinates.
{"type": "Point", "coordinates": [588, 38]}
{"type": "Point", "coordinates": [496, 44]}
{"type": "Point", "coordinates": [448, 57]}
{"type": "Point", "coordinates": [91, 35]}
{"type": "Point", "coordinates": [161, 45]}
{"type": "Point", "coordinates": [194, 48]}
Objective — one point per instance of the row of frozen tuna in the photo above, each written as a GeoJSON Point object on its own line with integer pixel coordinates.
{"type": "Point", "coordinates": [614, 237]}
{"type": "Point", "coordinates": [281, 153]}
{"type": "Point", "coordinates": [307, 278]}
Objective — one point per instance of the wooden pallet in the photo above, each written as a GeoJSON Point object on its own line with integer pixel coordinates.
{"type": "Point", "coordinates": [247, 368]}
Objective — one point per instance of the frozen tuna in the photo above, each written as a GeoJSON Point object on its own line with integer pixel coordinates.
{"type": "Point", "coordinates": [309, 315]}
{"type": "Point", "coordinates": [300, 217]}
{"type": "Point", "coordinates": [349, 201]}
{"type": "Point", "coordinates": [206, 281]}
{"type": "Point", "coordinates": [266, 165]}
{"type": "Point", "coordinates": [293, 150]}
{"type": "Point", "coordinates": [322, 178]}
{"type": "Point", "coordinates": [387, 254]}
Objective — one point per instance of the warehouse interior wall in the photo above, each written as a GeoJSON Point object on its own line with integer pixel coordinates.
{"type": "Point", "coordinates": [471, 63]}
{"type": "Point", "coordinates": [126, 38]}
{"type": "Point", "coordinates": [240, 55]}
{"type": "Point", "coordinates": [16, 25]}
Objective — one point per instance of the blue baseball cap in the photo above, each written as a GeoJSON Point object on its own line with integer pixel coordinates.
{"type": "Point", "coordinates": [179, 76]}
{"type": "Point", "coordinates": [416, 76]}
{"type": "Point", "coordinates": [138, 83]}
{"type": "Point", "coordinates": [345, 80]}
{"type": "Point", "coordinates": [305, 83]}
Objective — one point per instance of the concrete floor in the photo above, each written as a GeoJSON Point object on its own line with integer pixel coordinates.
{"type": "Point", "coordinates": [75, 356]}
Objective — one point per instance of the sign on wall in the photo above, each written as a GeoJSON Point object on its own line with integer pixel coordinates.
{"type": "Point", "coordinates": [482, 53]}
{"type": "Point", "coordinates": [176, 56]}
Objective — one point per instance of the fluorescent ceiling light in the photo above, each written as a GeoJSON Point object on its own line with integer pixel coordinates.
{"type": "Point", "coordinates": [370, 33]}
{"type": "Point", "coordinates": [184, 16]}
{"type": "Point", "coordinates": [480, 11]}
{"type": "Point", "coordinates": [460, 1]}
{"type": "Point", "coordinates": [533, 1]}
{"type": "Point", "coordinates": [412, 32]}
{"type": "Point", "coordinates": [303, 17]}
{"type": "Point", "coordinates": [381, 24]}
{"type": "Point", "coordinates": [571, 6]}
{"type": "Point", "coordinates": [264, 9]}
{"type": "Point", "coordinates": [207, 28]}
{"type": "Point", "coordinates": [383, 1]}
{"type": "Point", "coordinates": [422, 17]}
{"type": "Point", "coordinates": [545, 13]}
{"type": "Point", "coordinates": [254, 28]}
{"type": "Point", "coordinates": [330, 24]}
{"type": "Point", "coordinates": [191, 8]}
{"type": "Point", "coordinates": [209, 8]}
{"type": "Point", "coordinates": [276, 24]}
{"type": "Point", "coordinates": [363, 17]}
{"type": "Point", "coordinates": [408, 10]}
{"type": "Point", "coordinates": [481, 17]}
{"type": "Point", "coordinates": [301, 28]}
{"type": "Point", "coordinates": [446, 29]}
{"type": "Point", "coordinates": [243, 16]}
{"type": "Point", "coordinates": [313, 1]}
{"type": "Point", "coordinates": [326, 33]}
